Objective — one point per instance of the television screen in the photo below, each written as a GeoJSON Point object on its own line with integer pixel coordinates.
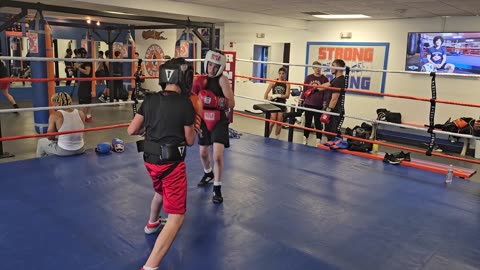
{"type": "Point", "coordinates": [443, 52]}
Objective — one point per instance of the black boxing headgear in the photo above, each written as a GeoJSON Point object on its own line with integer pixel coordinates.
{"type": "Point", "coordinates": [177, 71]}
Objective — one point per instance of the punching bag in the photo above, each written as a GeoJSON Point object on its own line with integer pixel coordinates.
{"type": "Point", "coordinates": [39, 70]}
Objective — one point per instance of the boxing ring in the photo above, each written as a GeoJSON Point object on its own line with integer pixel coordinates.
{"type": "Point", "coordinates": [287, 206]}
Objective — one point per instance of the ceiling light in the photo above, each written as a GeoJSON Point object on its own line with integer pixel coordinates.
{"type": "Point", "coordinates": [89, 21]}
{"type": "Point", "coordinates": [98, 23]}
{"type": "Point", "coordinates": [342, 16]}
{"type": "Point", "coordinates": [119, 13]}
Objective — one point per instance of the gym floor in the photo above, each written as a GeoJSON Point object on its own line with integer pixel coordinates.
{"type": "Point", "coordinates": [287, 206]}
{"type": "Point", "coordinates": [22, 124]}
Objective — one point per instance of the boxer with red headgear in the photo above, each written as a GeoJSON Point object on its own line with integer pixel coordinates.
{"type": "Point", "coordinates": [167, 118]}
{"type": "Point", "coordinates": [217, 98]}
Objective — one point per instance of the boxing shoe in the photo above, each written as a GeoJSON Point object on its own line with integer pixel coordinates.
{"type": "Point", "coordinates": [155, 227]}
{"type": "Point", "coordinates": [206, 179]}
{"type": "Point", "coordinates": [217, 194]}
{"type": "Point", "coordinates": [148, 268]}
{"type": "Point", "coordinates": [15, 106]}
{"type": "Point", "coordinates": [402, 156]}
{"type": "Point", "coordinates": [391, 159]}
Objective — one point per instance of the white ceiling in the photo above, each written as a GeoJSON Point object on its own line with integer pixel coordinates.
{"type": "Point", "coordinates": [378, 9]}
{"type": "Point", "coordinates": [267, 11]}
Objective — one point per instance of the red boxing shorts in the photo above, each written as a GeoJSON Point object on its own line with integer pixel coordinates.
{"type": "Point", "coordinates": [4, 84]}
{"type": "Point", "coordinates": [172, 187]}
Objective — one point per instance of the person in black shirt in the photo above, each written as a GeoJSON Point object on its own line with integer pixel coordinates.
{"type": "Point", "coordinates": [69, 69]}
{"type": "Point", "coordinates": [84, 87]}
{"type": "Point", "coordinates": [332, 99]}
{"type": "Point", "coordinates": [168, 120]}
{"type": "Point", "coordinates": [5, 84]}
{"type": "Point", "coordinates": [280, 94]}
{"type": "Point", "coordinates": [117, 71]}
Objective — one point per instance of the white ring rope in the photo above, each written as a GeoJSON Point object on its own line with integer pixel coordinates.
{"type": "Point", "coordinates": [33, 109]}
{"type": "Point", "coordinates": [362, 119]}
{"type": "Point", "coordinates": [244, 97]}
{"type": "Point", "coordinates": [359, 69]}
{"type": "Point", "coordinates": [18, 58]}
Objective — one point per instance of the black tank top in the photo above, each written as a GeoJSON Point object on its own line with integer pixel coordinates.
{"type": "Point", "coordinates": [213, 84]}
{"type": "Point", "coordinates": [281, 89]}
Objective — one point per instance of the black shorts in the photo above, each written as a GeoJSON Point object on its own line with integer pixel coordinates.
{"type": "Point", "coordinates": [219, 134]}
{"type": "Point", "coordinates": [84, 95]}
{"type": "Point", "coordinates": [280, 100]}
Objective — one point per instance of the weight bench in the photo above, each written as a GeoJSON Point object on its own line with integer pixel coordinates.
{"type": "Point", "coordinates": [292, 115]}
{"type": "Point", "coordinates": [267, 109]}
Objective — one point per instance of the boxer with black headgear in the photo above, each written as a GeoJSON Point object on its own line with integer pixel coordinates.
{"type": "Point", "coordinates": [216, 94]}
{"type": "Point", "coordinates": [179, 72]}
{"type": "Point", "coordinates": [167, 119]}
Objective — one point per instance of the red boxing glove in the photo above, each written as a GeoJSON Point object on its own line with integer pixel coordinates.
{"type": "Point", "coordinates": [199, 83]}
{"type": "Point", "coordinates": [325, 118]}
{"type": "Point", "coordinates": [308, 92]}
{"type": "Point", "coordinates": [198, 107]}
{"type": "Point", "coordinates": [211, 101]}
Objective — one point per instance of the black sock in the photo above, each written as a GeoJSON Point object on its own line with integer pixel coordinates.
{"type": "Point", "coordinates": [15, 106]}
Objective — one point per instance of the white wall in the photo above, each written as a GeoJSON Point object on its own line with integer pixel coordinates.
{"type": "Point", "coordinates": [168, 47]}
{"type": "Point", "coordinates": [243, 38]}
{"type": "Point", "coordinates": [395, 32]}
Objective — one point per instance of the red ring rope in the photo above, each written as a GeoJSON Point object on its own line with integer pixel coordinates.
{"type": "Point", "coordinates": [367, 92]}
{"type": "Point", "coordinates": [360, 139]}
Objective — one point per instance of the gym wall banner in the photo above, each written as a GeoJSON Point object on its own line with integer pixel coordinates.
{"type": "Point", "coordinates": [32, 42]}
{"type": "Point", "coordinates": [367, 55]}
{"type": "Point", "coordinates": [123, 49]}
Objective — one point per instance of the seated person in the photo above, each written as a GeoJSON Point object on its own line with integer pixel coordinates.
{"type": "Point", "coordinates": [63, 120]}
{"type": "Point", "coordinates": [437, 57]}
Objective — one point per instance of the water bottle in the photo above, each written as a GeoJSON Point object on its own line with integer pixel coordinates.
{"type": "Point", "coordinates": [375, 149]}
{"type": "Point", "coordinates": [449, 175]}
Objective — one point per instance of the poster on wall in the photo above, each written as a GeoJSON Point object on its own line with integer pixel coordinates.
{"type": "Point", "coordinates": [154, 51]}
{"type": "Point", "coordinates": [230, 73]}
{"type": "Point", "coordinates": [363, 55]}
{"type": "Point", "coordinates": [183, 50]}
{"type": "Point", "coordinates": [33, 42]}
{"type": "Point", "coordinates": [118, 46]}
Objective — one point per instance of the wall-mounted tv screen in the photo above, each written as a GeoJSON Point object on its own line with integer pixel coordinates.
{"type": "Point", "coordinates": [444, 52]}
